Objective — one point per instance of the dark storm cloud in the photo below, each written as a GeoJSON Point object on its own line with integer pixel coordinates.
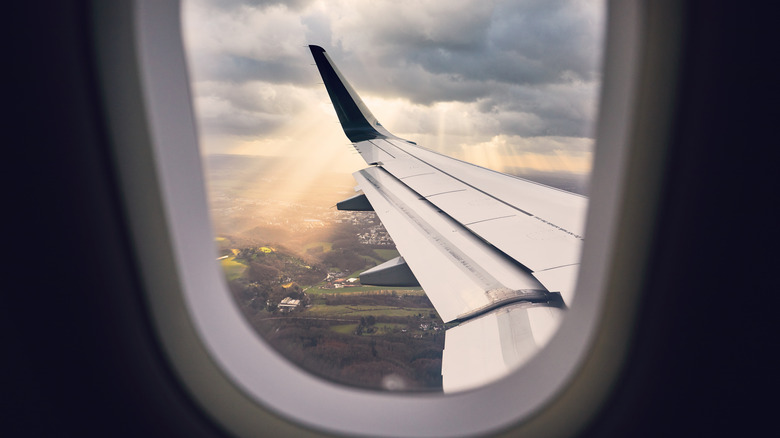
{"type": "Point", "coordinates": [534, 62]}
{"type": "Point", "coordinates": [543, 40]}
{"type": "Point", "coordinates": [566, 109]}
{"type": "Point", "coordinates": [521, 42]}
{"type": "Point", "coordinates": [424, 88]}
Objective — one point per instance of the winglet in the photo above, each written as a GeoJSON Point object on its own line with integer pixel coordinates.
{"type": "Point", "coordinates": [356, 119]}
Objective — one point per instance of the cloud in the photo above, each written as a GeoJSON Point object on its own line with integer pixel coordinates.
{"type": "Point", "coordinates": [515, 42]}
{"type": "Point", "coordinates": [258, 4]}
{"type": "Point", "coordinates": [236, 43]}
{"type": "Point", "coordinates": [249, 108]}
{"type": "Point", "coordinates": [453, 75]}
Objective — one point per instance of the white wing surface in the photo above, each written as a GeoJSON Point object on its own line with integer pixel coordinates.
{"type": "Point", "coordinates": [498, 253]}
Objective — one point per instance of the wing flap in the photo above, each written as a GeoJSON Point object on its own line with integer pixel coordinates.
{"type": "Point", "coordinates": [460, 273]}
{"type": "Point", "coordinates": [483, 349]}
{"type": "Point", "coordinates": [562, 280]}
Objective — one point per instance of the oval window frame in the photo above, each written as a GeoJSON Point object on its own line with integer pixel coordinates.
{"type": "Point", "coordinates": [216, 354]}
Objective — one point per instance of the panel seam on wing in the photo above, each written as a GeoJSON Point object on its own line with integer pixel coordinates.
{"type": "Point", "coordinates": [490, 219]}
{"type": "Point", "coordinates": [444, 193]}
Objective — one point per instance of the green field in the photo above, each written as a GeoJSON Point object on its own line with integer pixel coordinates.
{"type": "Point", "coordinates": [372, 259]}
{"type": "Point", "coordinates": [346, 329]}
{"type": "Point", "coordinates": [382, 328]}
{"type": "Point", "coordinates": [386, 254]}
{"type": "Point", "coordinates": [232, 268]}
{"type": "Point", "coordinates": [387, 327]}
{"type": "Point", "coordinates": [381, 290]}
{"type": "Point", "coordinates": [358, 311]}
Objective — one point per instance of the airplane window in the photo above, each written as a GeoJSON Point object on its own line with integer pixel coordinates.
{"type": "Point", "coordinates": [510, 86]}
{"type": "Point", "coordinates": [241, 381]}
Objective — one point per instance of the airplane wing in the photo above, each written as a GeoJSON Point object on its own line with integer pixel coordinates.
{"type": "Point", "coordinates": [497, 253]}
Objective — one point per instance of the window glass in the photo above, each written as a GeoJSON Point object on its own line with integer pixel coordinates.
{"type": "Point", "coordinates": [508, 85]}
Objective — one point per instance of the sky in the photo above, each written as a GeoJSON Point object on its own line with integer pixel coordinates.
{"type": "Point", "coordinates": [510, 85]}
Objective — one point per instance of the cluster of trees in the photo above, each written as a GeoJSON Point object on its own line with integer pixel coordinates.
{"type": "Point", "coordinates": [382, 352]}
{"type": "Point", "coordinates": [401, 359]}
{"type": "Point", "coordinates": [254, 296]}
{"type": "Point", "coordinates": [395, 300]}
{"type": "Point", "coordinates": [367, 325]}
{"type": "Point", "coordinates": [347, 253]}
{"type": "Point", "coordinates": [278, 267]}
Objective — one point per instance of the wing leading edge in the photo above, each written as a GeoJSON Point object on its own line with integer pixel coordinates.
{"type": "Point", "coordinates": [497, 253]}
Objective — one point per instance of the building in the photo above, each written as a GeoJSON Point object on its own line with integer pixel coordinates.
{"type": "Point", "coordinates": [288, 304]}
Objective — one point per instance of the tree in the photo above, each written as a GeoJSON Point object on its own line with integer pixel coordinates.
{"type": "Point", "coordinates": [263, 273]}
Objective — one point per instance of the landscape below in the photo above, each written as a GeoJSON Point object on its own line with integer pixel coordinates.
{"type": "Point", "coordinates": [292, 263]}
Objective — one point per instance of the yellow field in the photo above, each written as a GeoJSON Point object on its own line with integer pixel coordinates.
{"type": "Point", "coordinates": [232, 268]}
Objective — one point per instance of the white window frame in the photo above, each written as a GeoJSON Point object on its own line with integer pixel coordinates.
{"type": "Point", "coordinates": [240, 380]}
